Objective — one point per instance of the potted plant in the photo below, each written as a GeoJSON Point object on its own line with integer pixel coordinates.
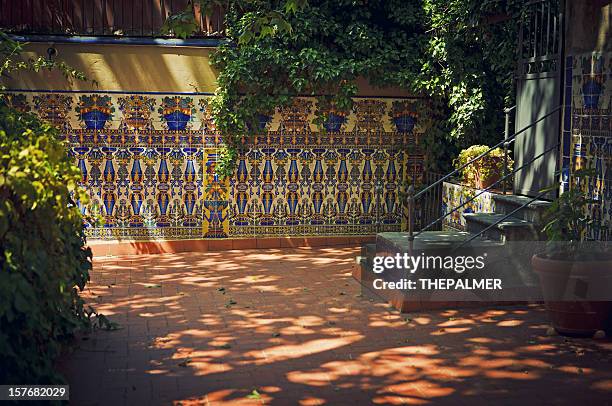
{"type": "Point", "coordinates": [575, 273]}
{"type": "Point", "coordinates": [485, 171]}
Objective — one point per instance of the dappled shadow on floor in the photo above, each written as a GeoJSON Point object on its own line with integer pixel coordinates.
{"type": "Point", "coordinates": [291, 324]}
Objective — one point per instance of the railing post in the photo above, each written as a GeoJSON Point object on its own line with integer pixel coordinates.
{"type": "Point", "coordinates": [506, 144]}
{"type": "Point", "coordinates": [410, 204]}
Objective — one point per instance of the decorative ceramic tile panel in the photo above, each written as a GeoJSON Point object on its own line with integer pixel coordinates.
{"type": "Point", "coordinates": [591, 135]}
{"type": "Point", "coordinates": [292, 181]}
{"type": "Point", "coordinates": [454, 195]}
{"type": "Point", "coordinates": [147, 163]}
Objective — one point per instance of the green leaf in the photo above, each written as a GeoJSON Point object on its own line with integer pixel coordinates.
{"type": "Point", "coordinates": [254, 395]}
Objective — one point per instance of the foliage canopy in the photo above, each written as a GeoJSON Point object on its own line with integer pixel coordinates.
{"type": "Point", "coordinates": [459, 52]}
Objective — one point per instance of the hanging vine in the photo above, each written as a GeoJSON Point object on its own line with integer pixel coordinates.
{"type": "Point", "coordinates": [460, 53]}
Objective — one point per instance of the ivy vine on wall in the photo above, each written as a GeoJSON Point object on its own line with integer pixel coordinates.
{"type": "Point", "coordinates": [461, 53]}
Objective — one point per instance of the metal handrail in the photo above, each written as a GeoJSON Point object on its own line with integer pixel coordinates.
{"type": "Point", "coordinates": [472, 238]}
{"type": "Point", "coordinates": [411, 196]}
{"type": "Point", "coordinates": [507, 112]}
{"type": "Point", "coordinates": [510, 139]}
{"type": "Point", "coordinates": [487, 189]}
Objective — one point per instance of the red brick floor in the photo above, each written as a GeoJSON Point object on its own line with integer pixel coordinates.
{"type": "Point", "coordinates": [209, 328]}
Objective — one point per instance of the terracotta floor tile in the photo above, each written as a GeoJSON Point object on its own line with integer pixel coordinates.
{"type": "Point", "coordinates": [210, 327]}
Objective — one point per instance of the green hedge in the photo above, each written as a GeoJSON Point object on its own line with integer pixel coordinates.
{"type": "Point", "coordinates": [44, 260]}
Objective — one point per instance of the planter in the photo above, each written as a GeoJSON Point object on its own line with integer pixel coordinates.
{"type": "Point", "coordinates": [483, 183]}
{"type": "Point", "coordinates": [561, 280]}
{"type": "Point", "coordinates": [261, 123]}
{"type": "Point", "coordinates": [481, 166]}
{"type": "Point", "coordinates": [334, 122]}
{"type": "Point", "coordinates": [137, 122]}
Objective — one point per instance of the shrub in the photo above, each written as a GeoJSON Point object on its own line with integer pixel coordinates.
{"type": "Point", "coordinates": [44, 261]}
{"type": "Point", "coordinates": [567, 224]}
{"type": "Point", "coordinates": [484, 171]}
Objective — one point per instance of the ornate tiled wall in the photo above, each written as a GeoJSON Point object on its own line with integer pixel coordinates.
{"type": "Point", "coordinates": [147, 163]}
{"type": "Point", "coordinates": [454, 195]}
{"type": "Point", "coordinates": [587, 134]}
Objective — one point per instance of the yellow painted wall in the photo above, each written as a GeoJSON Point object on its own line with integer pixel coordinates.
{"type": "Point", "coordinates": [140, 68]}
{"type": "Point", "coordinates": [130, 68]}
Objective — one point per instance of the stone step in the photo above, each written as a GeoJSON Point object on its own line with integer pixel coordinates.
{"type": "Point", "coordinates": [430, 241]}
{"type": "Point", "coordinates": [510, 229]}
{"type": "Point", "coordinates": [533, 212]}
{"type": "Point", "coordinates": [500, 263]}
{"type": "Point", "coordinates": [368, 252]}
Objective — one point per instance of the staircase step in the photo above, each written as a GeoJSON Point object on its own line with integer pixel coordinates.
{"type": "Point", "coordinates": [368, 251]}
{"type": "Point", "coordinates": [505, 204]}
{"type": "Point", "coordinates": [430, 241]}
{"type": "Point", "coordinates": [510, 229]}
{"type": "Point", "coordinates": [500, 263]}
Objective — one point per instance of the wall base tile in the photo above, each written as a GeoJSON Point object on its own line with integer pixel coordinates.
{"type": "Point", "coordinates": [105, 248]}
{"type": "Point", "coordinates": [292, 242]}
{"type": "Point", "coordinates": [244, 243]}
{"type": "Point", "coordinates": [263, 243]}
{"type": "Point", "coordinates": [220, 245]}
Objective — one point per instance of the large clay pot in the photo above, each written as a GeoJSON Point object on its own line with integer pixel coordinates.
{"type": "Point", "coordinates": [563, 280]}
{"type": "Point", "coordinates": [483, 183]}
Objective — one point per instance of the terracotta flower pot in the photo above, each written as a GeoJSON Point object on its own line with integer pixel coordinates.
{"type": "Point", "coordinates": [483, 183]}
{"type": "Point", "coordinates": [563, 281]}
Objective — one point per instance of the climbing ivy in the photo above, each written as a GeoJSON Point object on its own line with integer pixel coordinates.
{"type": "Point", "coordinates": [460, 53]}
{"type": "Point", "coordinates": [12, 61]}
